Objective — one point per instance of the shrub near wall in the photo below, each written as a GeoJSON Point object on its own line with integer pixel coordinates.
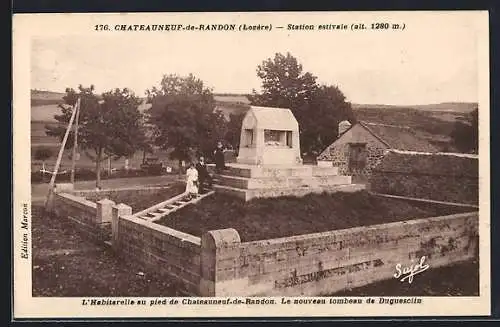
{"type": "Point", "coordinates": [440, 176]}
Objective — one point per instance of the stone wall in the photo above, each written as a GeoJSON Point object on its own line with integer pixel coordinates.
{"type": "Point", "coordinates": [338, 151]}
{"type": "Point", "coordinates": [161, 249]}
{"type": "Point", "coordinates": [89, 218]}
{"type": "Point", "coordinates": [324, 263]}
{"type": "Point", "coordinates": [440, 176]}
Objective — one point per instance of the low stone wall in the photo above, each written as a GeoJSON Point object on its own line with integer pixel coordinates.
{"type": "Point", "coordinates": [440, 176]}
{"type": "Point", "coordinates": [219, 264]}
{"type": "Point", "coordinates": [324, 263]}
{"type": "Point", "coordinates": [162, 249]}
{"type": "Point", "coordinates": [91, 219]}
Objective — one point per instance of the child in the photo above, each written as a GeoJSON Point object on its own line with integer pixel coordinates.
{"type": "Point", "coordinates": [191, 182]}
{"type": "Point", "coordinates": [203, 175]}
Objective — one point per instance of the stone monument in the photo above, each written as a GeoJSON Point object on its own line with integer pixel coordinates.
{"type": "Point", "coordinates": [269, 136]}
{"type": "Point", "coordinates": [269, 163]}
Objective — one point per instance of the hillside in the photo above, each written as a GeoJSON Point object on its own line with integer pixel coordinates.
{"type": "Point", "coordinates": [444, 106]}
{"type": "Point", "coordinates": [433, 121]}
{"type": "Point", "coordinates": [42, 98]}
{"type": "Point", "coordinates": [44, 104]}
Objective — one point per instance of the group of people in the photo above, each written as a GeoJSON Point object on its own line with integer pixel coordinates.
{"type": "Point", "coordinates": [197, 176]}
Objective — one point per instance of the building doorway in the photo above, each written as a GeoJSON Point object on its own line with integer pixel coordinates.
{"type": "Point", "coordinates": [357, 158]}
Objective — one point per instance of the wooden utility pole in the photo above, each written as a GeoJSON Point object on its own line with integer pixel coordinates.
{"type": "Point", "coordinates": [59, 157]}
{"type": "Point", "coordinates": [75, 142]}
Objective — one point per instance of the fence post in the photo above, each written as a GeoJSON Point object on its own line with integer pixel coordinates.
{"type": "Point", "coordinates": [214, 243]}
{"type": "Point", "coordinates": [118, 210]}
{"type": "Point", "coordinates": [104, 211]}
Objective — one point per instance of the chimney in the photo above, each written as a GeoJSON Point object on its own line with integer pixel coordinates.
{"type": "Point", "coordinates": [343, 127]}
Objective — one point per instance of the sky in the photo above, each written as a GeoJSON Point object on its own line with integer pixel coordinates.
{"type": "Point", "coordinates": [421, 65]}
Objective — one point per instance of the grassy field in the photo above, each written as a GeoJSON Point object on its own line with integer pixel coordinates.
{"type": "Point", "coordinates": [261, 219]}
{"type": "Point", "coordinates": [462, 107]}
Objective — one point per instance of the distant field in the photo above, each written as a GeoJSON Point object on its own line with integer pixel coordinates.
{"type": "Point", "coordinates": [232, 98]}
{"type": "Point", "coordinates": [44, 104]}
{"type": "Point", "coordinates": [462, 107]}
{"type": "Point", "coordinates": [434, 121]}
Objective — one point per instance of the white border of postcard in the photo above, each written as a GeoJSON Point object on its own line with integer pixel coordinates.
{"type": "Point", "coordinates": [27, 26]}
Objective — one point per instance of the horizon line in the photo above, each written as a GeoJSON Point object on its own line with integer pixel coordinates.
{"type": "Point", "coordinates": [352, 103]}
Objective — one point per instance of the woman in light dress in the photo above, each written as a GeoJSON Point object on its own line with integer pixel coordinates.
{"type": "Point", "coordinates": [191, 181]}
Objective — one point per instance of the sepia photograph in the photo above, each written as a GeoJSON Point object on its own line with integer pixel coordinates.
{"type": "Point", "coordinates": [314, 162]}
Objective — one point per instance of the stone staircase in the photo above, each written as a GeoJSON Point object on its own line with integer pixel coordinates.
{"type": "Point", "coordinates": [165, 208]}
{"type": "Point", "coordinates": [248, 181]}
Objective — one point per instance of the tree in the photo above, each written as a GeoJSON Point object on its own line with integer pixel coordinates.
{"type": "Point", "coordinates": [465, 133]}
{"type": "Point", "coordinates": [320, 116]}
{"type": "Point", "coordinates": [183, 113]}
{"type": "Point", "coordinates": [318, 108]}
{"type": "Point", "coordinates": [109, 125]}
{"type": "Point", "coordinates": [43, 154]}
{"type": "Point", "coordinates": [284, 84]}
{"type": "Point", "coordinates": [234, 129]}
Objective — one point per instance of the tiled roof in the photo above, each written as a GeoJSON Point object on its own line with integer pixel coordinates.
{"type": "Point", "coordinates": [399, 137]}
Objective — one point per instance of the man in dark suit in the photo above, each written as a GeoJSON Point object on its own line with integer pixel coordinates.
{"type": "Point", "coordinates": [203, 176]}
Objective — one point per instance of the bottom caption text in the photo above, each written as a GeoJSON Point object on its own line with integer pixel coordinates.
{"type": "Point", "coordinates": [151, 302]}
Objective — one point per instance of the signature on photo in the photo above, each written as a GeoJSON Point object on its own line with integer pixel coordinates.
{"type": "Point", "coordinates": [407, 273]}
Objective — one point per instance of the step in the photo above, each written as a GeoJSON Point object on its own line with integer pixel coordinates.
{"type": "Point", "coordinates": [282, 182]}
{"type": "Point", "coordinates": [247, 195]}
{"type": "Point", "coordinates": [267, 171]}
{"type": "Point", "coordinates": [325, 171]}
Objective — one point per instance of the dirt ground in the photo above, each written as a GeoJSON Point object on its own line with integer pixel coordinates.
{"type": "Point", "coordinates": [461, 279]}
{"type": "Point", "coordinates": [287, 216]}
{"type": "Point", "coordinates": [65, 264]}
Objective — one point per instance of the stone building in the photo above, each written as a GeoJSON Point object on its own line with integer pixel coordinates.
{"type": "Point", "coordinates": [360, 147]}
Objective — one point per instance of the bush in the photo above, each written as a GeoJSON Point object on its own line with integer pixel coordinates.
{"type": "Point", "coordinates": [43, 154]}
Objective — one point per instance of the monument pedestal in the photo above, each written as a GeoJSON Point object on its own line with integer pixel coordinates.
{"type": "Point", "coordinates": [251, 181]}
{"type": "Point", "coordinates": [269, 163]}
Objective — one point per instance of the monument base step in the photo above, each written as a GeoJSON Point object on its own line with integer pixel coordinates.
{"type": "Point", "coordinates": [282, 181]}
{"type": "Point", "coordinates": [248, 194]}
{"type": "Point", "coordinates": [253, 171]}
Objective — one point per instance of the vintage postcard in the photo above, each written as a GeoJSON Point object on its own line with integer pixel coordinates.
{"type": "Point", "coordinates": [293, 164]}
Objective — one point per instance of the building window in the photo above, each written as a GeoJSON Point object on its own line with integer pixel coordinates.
{"type": "Point", "coordinates": [274, 138]}
{"type": "Point", "coordinates": [357, 157]}
{"type": "Point", "coordinates": [289, 139]}
{"type": "Point", "coordinates": [248, 137]}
